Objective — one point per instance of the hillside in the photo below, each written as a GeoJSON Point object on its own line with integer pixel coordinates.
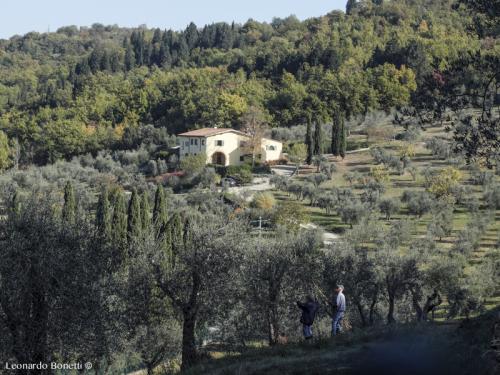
{"type": "Point", "coordinates": [429, 349]}
{"type": "Point", "coordinates": [124, 249]}
{"type": "Point", "coordinates": [82, 90]}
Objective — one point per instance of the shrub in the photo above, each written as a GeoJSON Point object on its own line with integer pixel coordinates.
{"type": "Point", "coordinates": [264, 201]}
{"type": "Point", "coordinates": [242, 173]}
{"type": "Point", "coordinates": [380, 174]}
{"type": "Point", "coordinates": [280, 182]}
{"type": "Point", "coordinates": [193, 164]}
{"type": "Point", "coordinates": [290, 215]}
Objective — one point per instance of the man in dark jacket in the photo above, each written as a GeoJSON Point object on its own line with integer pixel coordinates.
{"type": "Point", "coordinates": [309, 310]}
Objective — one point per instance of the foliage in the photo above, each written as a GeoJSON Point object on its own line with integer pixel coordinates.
{"type": "Point", "coordinates": [193, 164]}
{"type": "Point", "coordinates": [297, 153]}
{"type": "Point", "coordinates": [264, 201]}
{"type": "Point", "coordinates": [290, 215]}
{"type": "Point", "coordinates": [389, 207]}
{"type": "Point", "coordinates": [442, 183]}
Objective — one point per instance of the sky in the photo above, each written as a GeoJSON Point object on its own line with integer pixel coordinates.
{"type": "Point", "coordinates": [22, 16]}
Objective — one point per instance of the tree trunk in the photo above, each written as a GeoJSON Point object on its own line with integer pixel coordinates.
{"type": "Point", "coordinates": [371, 318]}
{"type": "Point", "coordinates": [188, 340]}
{"type": "Point", "coordinates": [361, 314]}
{"type": "Point", "coordinates": [37, 335]}
{"type": "Point", "coordinates": [390, 314]}
{"type": "Point", "coordinates": [272, 315]}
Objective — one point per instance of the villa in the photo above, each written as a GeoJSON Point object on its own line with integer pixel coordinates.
{"type": "Point", "coordinates": [226, 147]}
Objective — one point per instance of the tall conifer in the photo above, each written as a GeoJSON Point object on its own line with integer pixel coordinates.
{"type": "Point", "coordinates": [309, 141]}
{"type": "Point", "coordinates": [343, 139]}
{"type": "Point", "coordinates": [103, 214]}
{"type": "Point", "coordinates": [145, 212]}
{"type": "Point", "coordinates": [119, 229]}
{"type": "Point", "coordinates": [318, 139]}
{"type": "Point", "coordinates": [160, 216]}
{"type": "Point", "coordinates": [134, 220]}
{"type": "Point", "coordinates": [69, 207]}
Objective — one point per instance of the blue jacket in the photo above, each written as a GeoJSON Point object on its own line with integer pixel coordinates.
{"type": "Point", "coordinates": [309, 310]}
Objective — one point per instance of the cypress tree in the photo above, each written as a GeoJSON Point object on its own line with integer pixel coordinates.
{"type": "Point", "coordinates": [134, 220]}
{"type": "Point", "coordinates": [129, 57]}
{"type": "Point", "coordinates": [157, 35]}
{"type": "Point", "coordinates": [15, 205]}
{"type": "Point", "coordinates": [145, 212]}
{"type": "Point", "coordinates": [69, 207]}
{"type": "Point", "coordinates": [176, 232]}
{"type": "Point", "coordinates": [119, 228]}
{"type": "Point", "coordinates": [103, 215]}
{"type": "Point", "coordinates": [160, 216]}
{"type": "Point", "coordinates": [318, 138]}
{"type": "Point", "coordinates": [336, 133]}
{"type": "Point", "coordinates": [309, 141]}
{"type": "Point", "coordinates": [343, 138]}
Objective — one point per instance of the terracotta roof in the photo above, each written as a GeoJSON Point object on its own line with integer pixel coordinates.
{"type": "Point", "coordinates": [208, 132]}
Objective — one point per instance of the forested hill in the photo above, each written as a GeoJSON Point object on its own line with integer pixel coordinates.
{"type": "Point", "coordinates": [81, 90]}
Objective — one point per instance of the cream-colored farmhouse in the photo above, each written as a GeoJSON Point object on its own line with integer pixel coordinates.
{"type": "Point", "coordinates": [225, 146]}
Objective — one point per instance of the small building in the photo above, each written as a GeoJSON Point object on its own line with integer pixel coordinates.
{"type": "Point", "coordinates": [226, 146]}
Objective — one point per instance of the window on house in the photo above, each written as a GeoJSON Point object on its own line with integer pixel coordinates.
{"type": "Point", "coordinates": [219, 143]}
{"type": "Point", "coordinates": [203, 142]}
{"type": "Point", "coordinates": [242, 158]}
{"type": "Point", "coordinates": [196, 142]}
{"type": "Point", "coordinates": [271, 148]}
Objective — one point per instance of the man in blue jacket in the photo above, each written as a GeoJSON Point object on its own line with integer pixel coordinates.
{"type": "Point", "coordinates": [309, 310]}
{"type": "Point", "coordinates": [339, 306]}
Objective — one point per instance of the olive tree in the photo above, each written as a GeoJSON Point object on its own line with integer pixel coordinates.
{"type": "Point", "coordinates": [204, 260]}
{"type": "Point", "coordinates": [276, 272]}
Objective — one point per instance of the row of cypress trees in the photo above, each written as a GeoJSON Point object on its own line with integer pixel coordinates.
{"type": "Point", "coordinates": [119, 223]}
{"type": "Point", "coordinates": [314, 141]}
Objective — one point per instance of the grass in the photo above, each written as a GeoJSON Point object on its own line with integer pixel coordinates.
{"type": "Point", "coordinates": [422, 348]}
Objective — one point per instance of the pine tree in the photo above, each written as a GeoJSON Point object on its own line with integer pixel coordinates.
{"type": "Point", "coordinates": [160, 216]}
{"type": "Point", "coordinates": [350, 6]}
{"type": "Point", "coordinates": [134, 220]}
{"type": "Point", "coordinates": [69, 207]}
{"type": "Point", "coordinates": [318, 138]}
{"type": "Point", "coordinates": [191, 34]}
{"type": "Point", "coordinates": [145, 212]}
{"type": "Point", "coordinates": [309, 141]}
{"type": "Point", "coordinates": [119, 228]}
{"type": "Point", "coordinates": [103, 215]}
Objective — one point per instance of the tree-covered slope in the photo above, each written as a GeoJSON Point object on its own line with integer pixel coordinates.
{"type": "Point", "coordinates": [81, 90]}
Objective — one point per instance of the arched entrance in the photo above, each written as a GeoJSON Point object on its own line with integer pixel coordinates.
{"type": "Point", "coordinates": [218, 158]}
